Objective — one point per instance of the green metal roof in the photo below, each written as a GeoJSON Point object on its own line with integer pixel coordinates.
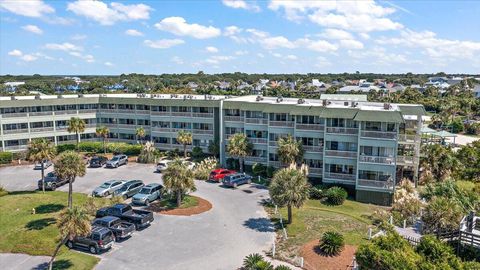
{"type": "Point", "coordinates": [278, 108]}
{"type": "Point", "coordinates": [339, 113]}
{"type": "Point", "coordinates": [379, 116]}
{"type": "Point", "coordinates": [444, 134]}
{"type": "Point", "coordinates": [412, 110]}
{"type": "Point", "coordinates": [306, 110]}
{"type": "Point", "coordinates": [346, 97]}
{"type": "Point", "coordinates": [245, 106]}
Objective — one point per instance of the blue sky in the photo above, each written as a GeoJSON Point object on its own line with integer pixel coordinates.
{"type": "Point", "coordinates": [153, 37]}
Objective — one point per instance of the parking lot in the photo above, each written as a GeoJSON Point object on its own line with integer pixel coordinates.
{"type": "Point", "coordinates": [236, 226]}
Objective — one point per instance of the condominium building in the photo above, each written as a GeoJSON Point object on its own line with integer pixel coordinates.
{"type": "Point", "coordinates": [365, 146]}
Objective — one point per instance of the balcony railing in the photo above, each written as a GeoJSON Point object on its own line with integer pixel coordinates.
{"type": "Point", "coordinates": [272, 143]}
{"type": "Point", "coordinates": [202, 115]}
{"type": "Point", "coordinates": [142, 111]}
{"type": "Point", "coordinates": [163, 145]}
{"type": "Point", "coordinates": [342, 130]}
{"type": "Point", "coordinates": [376, 159]}
{"type": "Point", "coordinates": [108, 110]}
{"type": "Point", "coordinates": [16, 147]}
{"type": "Point", "coordinates": [186, 114]}
{"type": "Point", "coordinates": [180, 129]}
{"type": "Point", "coordinates": [87, 111]}
{"type": "Point", "coordinates": [408, 138]}
{"type": "Point", "coordinates": [127, 126]}
{"type": "Point", "coordinates": [9, 115]}
{"type": "Point", "coordinates": [40, 113]}
{"type": "Point", "coordinates": [375, 184]}
{"type": "Point", "coordinates": [15, 131]}
{"type": "Point", "coordinates": [129, 111]}
{"type": "Point", "coordinates": [231, 118]}
{"type": "Point", "coordinates": [276, 164]}
{"type": "Point", "coordinates": [161, 113]}
{"type": "Point", "coordinates": [340, 176]}
{"type": "Point", "coordinates": [258, 140]}
{"type": "Point", "coordinates": [202, 131]}
{"type": "Point", "coordinates": [281, 124]}
{"type": "Point", "coordinates": [405, 160]}
{"type": "Point", "coordinates": [66, 112]}
{"type": "Point", "coordinates": [317, 127]}
{"type": "Point", "coordinates": [316, 171]}
{"type": "Point", "coordinates": [379, 134]}
{"type": "Point", "coordinates": [260, 121]}
{"type": "Point", "coordinates": [338, 153]}
{"type": "Point", "coordinates": [42, 129]}
{"type": "Point", "coordinates": [312, 148]}
{"type": "Point", "coordinates": [256, 159]}
{"type": "Point", "coordinates": [161, 129]}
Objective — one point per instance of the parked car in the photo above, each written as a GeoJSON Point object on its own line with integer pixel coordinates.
{"type": "Point", "coordinates": [52, 182]}
{"type": "Point", "coordinates": [121, 229]}
{"type": "Point", "coordinates": [117, 161]}
{"type": "Point", "coordinates": [97, 161]}
{"type": "Point", "coordinates": [237, 179]}
{"type": "Point", "coordinates": [46, 164]}
{"type": "Point", "coordinates": [218, 174]}
{"type": "Point", "coordinates": [129, 189]}
{"type": "Point", "coordinates": [163, 165]}
{"type": "Point", "coordinates": [99, 239]}
{"type": "Point", "coordinates": [108, 188]}
{"type": "Point", "coordinates": [140, 218]}
{"type": "Point", "coordinates": [147, 194]}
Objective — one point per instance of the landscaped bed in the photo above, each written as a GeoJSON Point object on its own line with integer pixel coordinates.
{"type": "Point", "coordinates": [37, 234]}
{"type": "Point", "coordinates": [191, 205]}
{"type": "Point", "coordinates": [309, 223]}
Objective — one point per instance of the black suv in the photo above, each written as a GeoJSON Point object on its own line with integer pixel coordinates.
{"type": "Point", "coordinates": [98, 240]}
{"type": "Point", "coordinates": [52, 182]}
{"type": "Point", "coordinates": [97, 161]}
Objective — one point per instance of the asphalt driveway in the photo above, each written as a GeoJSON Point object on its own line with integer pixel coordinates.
{"type": "Point", "coordinates": [236, 226]}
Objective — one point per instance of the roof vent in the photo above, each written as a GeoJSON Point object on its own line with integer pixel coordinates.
{"type": "Point", "coordinates": [59, 96]}
{"type": "Point", "coordinates": [80, 95]}
{"type": "Point", "coordinates": [354, 104]}
{"type": "Point", "coordinates": [37, 96]}
{"type": "Point", "coordinates": [301, 101]}
{"type": "Point", "coordinates": [13, 98]}
{"type": "Point", "coordinates": [279, 99]}
{"type": "Point", "coordinates": [259, 98]}
{"type": "Point", "coordinates": [345, 103]}
{"type": "Point", "coordinates": [387, 106]}
{"type": "Point", "coordinates": [324, 102]}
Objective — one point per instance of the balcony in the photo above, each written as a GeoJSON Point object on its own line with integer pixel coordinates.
{"type": "Point", "coordinates": [342, 130]}
{"type": "Point", "coordinates": [16, 147]}
{"type": "Point", "coordinates": [126, 126]}
{"type": "Point", "coordinates": [10, 115]}
{"type": "Point", "coordinates": [281, 124]}
{"type": "Point", "coordinates": [231, 118]}
{"type": "Point", "coordinates": [377, 159]}
{"type": "Point", "coordinates": [161, 129]}
{"type": "Point", "coordinates": [408, 138]}
{"type": "Point", "coordinates": [66, 112]}
{"type": "Point", "coordinates": [403, 160]}
{"type": "Point", "coordinates": [160, 113]}
{"type": "Point", "coordinates": [143, 112]}
{"type": "Point", "coordinates": [313, 148]}
{"type": "Point", "coordinates": [276, 164]}
{"type": "Point", "coordinates": [258, 121]}
{"type": "Point", "coordinates": [379, 134]}
{"type": "Point", "coordinates": [340, 176]}
{"type": "Point", "coordinates": [40, 113]}
{"type": "Point", "coordinates": [316, 127]}
{"type": "Point", "coordinates": [256, 159]}
{"type": "Point", "coordinates": [315, 171]}
{"type": "Point", "coordinates": [163, 145]}
{"type": "Point", "coordinates": [184, 114]}
{"type": "Point", "coordinates": [41, 129]}
{"type": "Point", "coordinates": [15, 131]}
{"type": "Point", "coordinates": [338, 153]}
{"type": "Point", "coordinates": [258, 140]}
{"type": "Point", "coordinates": [272, 143]}
{"type": "Point", "coordinates": [108, 110]}
{"type": "Point", "coordinates": [375, 184]}
{"type": "Point", "coordinates": [202, 131]}
{"type": "Point", "coordinates": [180, 129]}
{"type": "Point", "coordinates": [87, 111]}
{"type": "Point", "coordinates": [132, 111]}
{"type": "Point", "coordinates": [202, 115]}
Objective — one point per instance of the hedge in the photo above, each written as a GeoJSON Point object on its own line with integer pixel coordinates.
{"type": "Point", "coordinates": [6, 157]}
{"type": "Point", "coordinates": [97, 147]}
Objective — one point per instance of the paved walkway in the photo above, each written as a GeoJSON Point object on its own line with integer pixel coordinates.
{"type": "Point", "coordinates": [12, 261]}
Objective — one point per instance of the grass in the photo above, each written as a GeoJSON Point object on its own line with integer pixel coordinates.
{"type": "Point", "coordinates": [23, 232]}
{"type": "Point", "coordinates": [310, 222]}
{"type": "Point", "coordinates": [171, 203]}
{"type": "Point", "coordinates": [465, 185]}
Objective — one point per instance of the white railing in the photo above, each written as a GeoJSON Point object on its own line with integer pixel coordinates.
{"type": "Point", "coordinates": [16, 147]}
{"type": "Point", "coordinates": [338, 153]}
{"type": "Point", "coordinates": [405, 159]}
{"type": "Point", "coordinates": [202, 131]}
{"type": "Point", "coordinates": [160, 113]}
{"type": "Point", "coordinates": [129, 111]}
{"type": "Point", "coordinates": [376, 159]}
{"type": "Point", "coordinates": [256, 159]}
{"type": "Point", "coordinates": [310, 127]}
{"type": "Point", "coordinates": [375, 184]}
{"type": "Point", "coordinates": [108, 110]}
{"type": "Point", "coordinates": [187, 114]}
{"type": "Point", "coordinates": [317, 171]}
{"type": "Point", "coordinates": [163, 129]}
{"type": "Point", "coordinates": [272, 143]}
{"type": "Point", "coordinates": [408, 138]}
{"type": "Point", "coordinates": [340, 176]}
{"type": "Point", "coordinates": [14, 131]}
{"type": "Point", "coordinates": [126, 126]}
{"type": "Point", "coordinates": [281, 124]}
{"type": "Point", "coordinates": [258, 140]}
{"type": "Point", "coordinates": [260, 121]}
{"type": "Point", "coordinates": [40, 113]}
{"type": "Point", "coordinates": [142, 111]}
{"type": "Point", "coordinates": [87, 111]}
{"type": "Point", "coordinates": [379, 134]}
{"type": "Point", "coordinates": [342, 130]}
{"type": "Point", "coordinates": [180, 129]}
{"type": "Point", "coordinates": [233, 118]}
{"type": "Point", "coordinates": [276, 164]}
{"type": "Point", "coordinates": [8, 115]}
{"type": "Point", "coordinates": [310, 148]}
{"type": "Point", "coordinates": [42, 129]}
{"type": "Point", "coordinates": [203, 115]}
{"type": "Point", "coordinates": [66, 112]}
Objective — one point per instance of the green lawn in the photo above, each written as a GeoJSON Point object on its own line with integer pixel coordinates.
{"type": "Point", "coordinates": [171, 203]}
{"type": "Point", "coordinates": [22, 232]}
{"type": "Point", "coordinates": [314, 218]}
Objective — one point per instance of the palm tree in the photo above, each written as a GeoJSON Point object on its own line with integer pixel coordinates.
{"type": "Point", "coordinates": [73, 222]}
{"type": "Point", "coordinates": [40, 150]}
{"type": "Point", "coordinates": [178, 179]}
{"type": "Point", "coordinates": [251, 261]}
{"type": "Point", "coordinates": [239, 147]}
{"type": "Point", "coordinates": [68, 166]}
{"type": "Point", "coordinates": [77, 126]}
{"type": "Point", "coordinates": [140, 133]}
{"type": "Point", "coordinates": [103, 132]}
{"type": "Point", "coordinates": [289, 150]}
{"type": "Point", "coordinates": [184, 138]}
{"type": "Point", "coordinates": [289, 187]}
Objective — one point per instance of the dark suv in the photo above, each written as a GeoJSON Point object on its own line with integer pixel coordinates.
{"type": "Point", "coordinates": [52, 182]}
{"type": "Point", "coordinates": [98, 240]}
{"type": "Point", "coordinates": [97, 161]}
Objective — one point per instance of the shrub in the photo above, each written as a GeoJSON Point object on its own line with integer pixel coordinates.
{"type": "Point", "coordinates": [147, 155]}
{"type": "Point", "coordinates": [124, 148]}
{"type": "Point", "coordinates": [270, 171]}
{"type": "Point", "coordinates": [96, 147]}
{"type": "Point", "coordinates": [457, 126]}
{"type": "Point", "coordinates": [473, 129]}
{"type": "Point", "coordinates": [3, 191]}
{"type": "Point", "coordinates": [406, 201]}
{"type": "Point", "coordinates": [336, 195]}
{"type": "Point", "coordinates": [116, 200]}
{"type": "Point", "coordinates": [259, 169]}
{"type": "Point", "coordinates": [283, 267]}
{"type": "Point", "coordinates": [203, 169]}
{"type": "Point", "coordinates": [332, 243]}
{"type": "Point", "coordinates": [251, 260]}
{"type": "Point", "coordinates": [316, 192]}
{"type": "Point", "coordinates": [232, 164]}
{"type": "Point", "coordinates": [197, 152]}
{"type": "Point", "coordinates": [6, 157]}
{"type": "Point", "coordinates": [65, 147]}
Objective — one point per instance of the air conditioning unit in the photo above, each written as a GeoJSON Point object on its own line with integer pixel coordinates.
{"type": "Point", "coordinates": [259, 98]}
{"type": "Point", "coordinates": [13, 98]}
{"type": "Point", "coordinates": [345, 103]}
{"type": "Point", "coordinates": [301, 101]}
{"type": "Point", "coordinates": [387, 106]}
{"type": "Point", "coordinates": [37, 96]}
{"type": "Point", "coordinates": [279, 99]}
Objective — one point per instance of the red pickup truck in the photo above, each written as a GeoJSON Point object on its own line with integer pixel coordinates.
{"type": "Point", "coordinates": [218, 174]}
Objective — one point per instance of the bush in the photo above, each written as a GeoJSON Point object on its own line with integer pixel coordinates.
{"type": "Point", "coordinates": [250, 262]}
{"type": "Point", "coordinates": [197, 152]}
{"type": "Point", "coordinates": [147, 155]}
{"type": "Point", "coordinates": [65, 147]}
{"type": "Point", "coordinates": [473, 129]}
{"type": "Point", "coordinates": [6, 157]}
{"type": "Point", "coordinates": [203, 169]}
{"type": "Point", "coordinates": [96, 147]}
{"type": "Point", "coordinates": [124, 148]}
{"type": "Point", "coordinates": [457, 126]}
{"type": "Point", "coordinates": [232, 164]}
{"type": "Point", "coordinates": [336, 195]}
{"type": "Point", "coordinates": [332, 243]}
{"type": "Point", "coordinates": [271, 171]}
{"type": "Point", "coordinates": [3, 191]}
{"type": "Point", "coordinates": [316, 192]}
{"type": "Point", "coordinates": [259, 169]}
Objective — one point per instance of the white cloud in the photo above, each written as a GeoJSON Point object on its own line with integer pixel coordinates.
{"type": "Point", "coordinates": [66, 46]}
{"type": "Point", "coordinates": [78, 37]}
{"type": "Point", "coordinates": [28, 57]}
{"type": "Point", "coordinates": [241, 4]}
{"type": "Point", "coordinates": [317, 45]}
{"type": "Point", "coordinates": [277, 42]}
{"type": "Point", "coordinates": [261, 55]}
{"type": "Point", "coordinates": [15, 53]}
{"type": "Point", "coordinates": [241, 52]}
{"type": "Point", "coordinates": [179, 26]}
{"type": "Point", "coordinates": [211, 49]}
{"type": "Point", "coordinates": [108, 15]}
{"type": "Point", "coordinates": [291, 57]}
{"type": "Point", "coordinates": [364, 36]}
{"type": "Point", "coordinates": [33, 29]}
{"type": "Point", "coordinates": [351, 44]}
{"type": "Point", "coordinates": [232, 30]}
{"type": "Point", "coordinates": [277, 55]}
{"type": "Point", "coordinates": [88, 58]}
{"type": "Point", "coordinates": [133, 32]}
{"type": "Point", "coordinates": [216, 59]}
{"type": "Point", "coordinates": [108, 64]}
{"type": "Point", "coordinates": [322, 62]}
{"type": "Point", "coordinates": [30, 8]}
{"type": "Point", "coordinates": [163, 43]}
{"type": "Point", "coordinates": [332, 33]}
{"type": "Point", "coordinates": [177, 60]}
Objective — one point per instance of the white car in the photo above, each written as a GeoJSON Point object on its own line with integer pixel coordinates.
{"type": "Point", "coordinates": [163, 165]}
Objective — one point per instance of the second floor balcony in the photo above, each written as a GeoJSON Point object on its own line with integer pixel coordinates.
{"type": "Point", "coordinates": [340, 153]}
{"type": "Point", "coordinates": [15, 131]}
{"type": "Point", "coordinates": [316, 127]}
{"type": "Point", "coordinates": [256, 159]}
{"type": "Point", "coordinates": [202, 115]}
{"type": "Point", "coordinates": [258, 121]}
{"type": "Point", "coordinates": [379, 134]}
{"type": "Point", "coordinates": [313, 148]}
{"type": "Point", "coordinates": [342, 130]}
{"type": "Point", "coordinates": [376, 159]}
{"type": "Point", "coordinates": [315, 171]}
{"type": "Point", "coordinates": [258, 140]}
{"type": "Point", "coordinates": [281, 124]}
{"type": "Point", "coordinates": [232, 118]}
{"type": "Point", "coordinates": [340, 176]}
{"type": "Point", "coordinates": [375, 184]}
{"type": "Point", "coordinates": [41, 129]}
{"type": "Point", "coordinates": [202, 131]}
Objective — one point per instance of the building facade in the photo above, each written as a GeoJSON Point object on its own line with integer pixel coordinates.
{"type": "Point", "coordinates": [367, 147]}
